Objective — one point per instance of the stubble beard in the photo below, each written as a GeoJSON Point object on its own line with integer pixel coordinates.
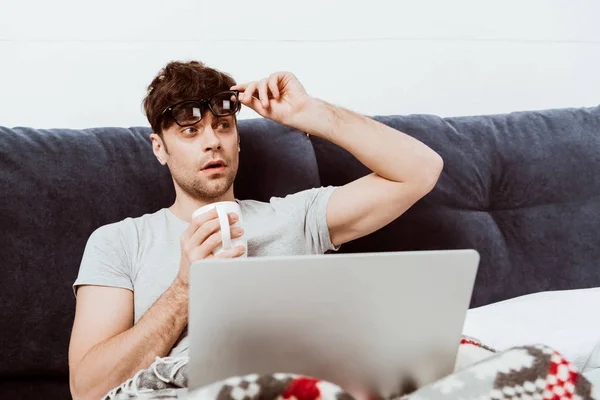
{"type": "Point", "coordinates": [206, 189]}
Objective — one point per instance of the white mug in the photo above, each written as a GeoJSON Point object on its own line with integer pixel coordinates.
{"type": "Point", "coordinates": [223, 209]}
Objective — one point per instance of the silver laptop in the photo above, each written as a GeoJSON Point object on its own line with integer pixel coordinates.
{"type": "Point", "coordinates": [372, 323]}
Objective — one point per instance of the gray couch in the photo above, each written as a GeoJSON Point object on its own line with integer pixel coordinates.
{"type": "Point", "coordinates": [523, 189]}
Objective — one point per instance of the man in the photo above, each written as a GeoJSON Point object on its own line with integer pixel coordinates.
{"type": "Point", "coordinates": [132, 288]}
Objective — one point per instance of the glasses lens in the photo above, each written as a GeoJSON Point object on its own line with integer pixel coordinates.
{"type": "Point", "coordinates": [187, 113]}
{"type": "Point", "coordinates": [224, 103]}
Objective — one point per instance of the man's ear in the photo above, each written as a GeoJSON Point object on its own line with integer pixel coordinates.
{"type": "Point", "coordinates": [159, 148]}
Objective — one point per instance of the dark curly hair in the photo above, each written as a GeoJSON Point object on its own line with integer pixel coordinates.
{"type": "Point", "coordinates": [179, 81]}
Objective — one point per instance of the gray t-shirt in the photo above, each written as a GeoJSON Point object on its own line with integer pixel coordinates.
{"type": "Point", "coordinates": [143, 254]}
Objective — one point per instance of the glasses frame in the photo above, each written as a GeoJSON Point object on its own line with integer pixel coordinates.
{"type": "Point", "coordinates": [203, 104]}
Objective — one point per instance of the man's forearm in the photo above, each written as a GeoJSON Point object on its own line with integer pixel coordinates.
{"type": "Point", "coordinates": [388, 152]}
{"type": "Point", "coordinates": [113, 361]}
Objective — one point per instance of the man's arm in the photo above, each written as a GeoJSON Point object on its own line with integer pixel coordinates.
{"type": "Point", "coordinates": [107, 349]}
{"type": "Point", "coordinates": [404, 169]}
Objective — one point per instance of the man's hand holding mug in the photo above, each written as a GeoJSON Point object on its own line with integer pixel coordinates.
{"type": "Point", "coordinates": [215, 232]}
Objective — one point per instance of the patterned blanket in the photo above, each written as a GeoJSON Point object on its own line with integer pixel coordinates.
{"type": "Point", "coordinates": [527, 372]}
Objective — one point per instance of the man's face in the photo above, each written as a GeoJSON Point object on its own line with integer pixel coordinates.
{"type": "Point", "coordinates": [203, 158]}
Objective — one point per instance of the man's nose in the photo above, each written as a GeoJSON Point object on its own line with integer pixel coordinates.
{"type": "Point", "coordinates": [211, 140]}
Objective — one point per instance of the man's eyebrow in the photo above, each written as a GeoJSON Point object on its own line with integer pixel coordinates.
{"type": "Point", "coordinates": [196, 125]}
{"type": "Point", "coordinates": [223, 117]}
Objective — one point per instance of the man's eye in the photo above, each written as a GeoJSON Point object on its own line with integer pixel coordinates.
{"type": "Point", "coordinates": [224, 125]}
{"type": "Point", "coordinates": [190, 131]}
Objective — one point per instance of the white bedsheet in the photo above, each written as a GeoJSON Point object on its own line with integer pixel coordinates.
{"type": "Point", "coordinates": [567, 321]}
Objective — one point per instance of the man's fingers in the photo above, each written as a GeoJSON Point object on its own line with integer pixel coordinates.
{"type": "Point", "coordinates": [213, 214]}
{"type": "Point", "coordinates": [263, 95]}
{"type": "Point", "coordinates": [204, 217]}
{"type": "Point", "coordinates": [198, 222]}
{"type": "Point", "coordinates": [237, 232]}
{"type": "Point", "coordinates": [203, 233]}
{"type": "Point", "coordinates": [273, 81]}
{"type": "Point", "coordinates": [234, 252]}
{"type": "Point", "coordinates": [256, 105]}
{"type": "Point", "coordinates": [241, 86]}
{"type": "Point", "coordinates": [248, 93]}
{"type": "Point", "coordinates": [208, 227]}
{"type": "Point", "coordinates": [215, 240]}
{"type": "Point", "coordinates": [210, 244]}
{"type": "Point", "coordinates": [233, 218]}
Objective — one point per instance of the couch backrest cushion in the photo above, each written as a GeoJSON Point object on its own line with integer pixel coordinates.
{"type": "Point", "coordinates": [59, 185]}
{"type": "Point", "coordinates": [523, 189]}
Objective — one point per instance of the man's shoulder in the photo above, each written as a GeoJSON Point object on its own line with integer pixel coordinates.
{"type": "Point", "coordinates": [289, 202]}
{"type": "Point", "coordinates": [159, 216]}
{"type": "Point", "coordinates": [128, 226]}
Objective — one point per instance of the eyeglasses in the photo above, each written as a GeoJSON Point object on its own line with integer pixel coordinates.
{"type": "Point", "coordinates": [189, 112]}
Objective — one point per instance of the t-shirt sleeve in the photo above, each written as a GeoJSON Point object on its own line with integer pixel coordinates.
{"type": "Point", "coordinates": [107, 258]}
{"type": "Point", "coordinates": [310, 207]}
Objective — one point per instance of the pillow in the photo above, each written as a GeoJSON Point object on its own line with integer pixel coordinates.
{"type": "Point", "coordinates": [566, 321]}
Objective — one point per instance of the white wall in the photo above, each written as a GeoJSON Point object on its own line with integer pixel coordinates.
{"type": "Point", "coordinates": [68, 63]}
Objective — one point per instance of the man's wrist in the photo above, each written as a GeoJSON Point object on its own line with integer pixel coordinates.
{"type": "Point", "coordinates": [316, 117]}
{"type": "Point", "coordinates": [180, 287]}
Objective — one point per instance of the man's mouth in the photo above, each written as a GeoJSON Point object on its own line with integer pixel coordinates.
{"type": "Point", "coordinates": [214, 166]}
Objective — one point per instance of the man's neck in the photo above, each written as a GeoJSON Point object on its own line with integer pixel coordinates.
{"type": "Point", "coordinates": [184, 205]}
